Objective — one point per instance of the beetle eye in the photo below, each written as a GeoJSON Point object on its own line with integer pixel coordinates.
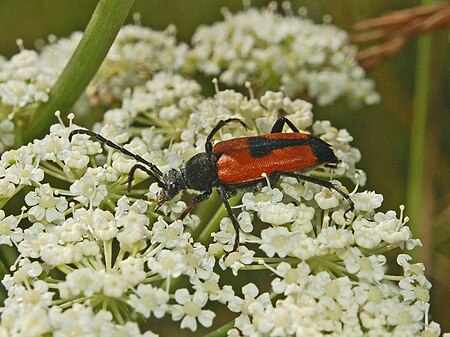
{"type": "Point", "coordinates": [172, 189]}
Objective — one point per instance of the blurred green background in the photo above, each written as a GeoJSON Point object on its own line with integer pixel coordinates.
{"type": "Point", "coordinates": [381, 132]}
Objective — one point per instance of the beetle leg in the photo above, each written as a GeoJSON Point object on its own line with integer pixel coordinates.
{"type": "Point", "coordinates": [279, 123]}
{"type": "Point", "coordinates": [277, 174]}
{"type": "Point", "coordinates": [224, 196]}
{"type": "Point", "coordinates": [198, 199]}
{"type": "Point", "coordinates": [221, 124]}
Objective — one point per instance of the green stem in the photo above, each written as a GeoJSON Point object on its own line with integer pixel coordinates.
{"type": "Point", "coordinates": [204, 209]}
{"type": "Point", "coordinates": [222, 331]}
{"type": "Point", "coordinates": [213, 223]}
{"type": "Point", "coordinates": [417, 159]}
{"type": "Point", "coordinates": [98, 37]}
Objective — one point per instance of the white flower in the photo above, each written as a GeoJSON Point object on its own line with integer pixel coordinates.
{"type": "Point", "coordinates": [149, 300]}
{"type": "Point", "coordinates": [348, 156]}
{"type": "Point", "coordinates": [132, 270]}
{"type": "Point", "coordinates": [169, 235]}
{"type": "Point", "coordinates": [200, 263]}
{"type": "Point", "coordinates": [114, 285]}
{"type": "Point", "coordinates": [414, 285]}
{"type": "Point", "coordinates": [81, 146]}
{"type": "Point", "coordinates": [326, 199]}
{"type": "Point", "coordinates": [28, 268]}
{"type": "Point", "coordinates": [340, 289]}
{"type": "Point", "coordinates": [278, 214]}
{"type": "Point", "coordinates": [45, 205]}
{"type": "Point", "coordinates": [238, 259]}
{"type": "Point", "coordinates": [168, 263]}
{"type": "Point", "coordinates": [131, 234]}
{"type": "Point", "coordinates": [250, 291]}
{"type": "Point", "coordinates": [74, 159]}
{"type": "Point", "coordinates": [278, 240]}
{"type": "Point", "coordinates": [35, 239]}
{"type": "Point", "coordinates": [291, 280]}
{"type": "Point", "coordinates": [250, 305]}
{"type": "Point", "coordinates": [7, 188]}
{"type": "Point", "coordinates": [296, 190]}
{"type": "Point", "coordinates": [31, 320]}
{"type": "Point", "coordinates": [83, 320]}
{"type": "Point", "coordinates": [71, 231]}
{"type": "Point", "coordinates": [258, 201]}
{"type": "Point", "coordinates": [226, 235]}
{"type": "Point", "coordinates": [189, 309]}
{"type": "Point", "coordinates": [316, 284]}
{"type": "Point", "coordinates": [334, 238]}
{"type": "Point", "coordinates": [391, 229]}
{"type": "Point", "coordinates": [367, 234]}
{"type": "Point", "coordinates": [367, 201]}
{"type": "Point", "coordinates": [24, 174]}
{"type": "Point", "coordinates": [83, 281]}
{"type": "Point", "coordinates": [104, 225]}
{"type": "Point", "coordinates": [272, 100]}
{"type": "Point", "coordinates": [9, 230]}
{"type": "Point", "coordinates": [165, 91]}
{"type": "Point", "coordinates": [262, 46]}
{"type": "Point", "coordinates": [134, 229]}
{"type": "Point", "coordinates": [56, 255]}
{"type": "Point", "coordinates": [89, 191]}
{"type": "Point", "coordinates": [369, 268]}
{"type": "Point", "coordinates": [212, 287]}
{"type": "Point", "coordinates": [306, 247]}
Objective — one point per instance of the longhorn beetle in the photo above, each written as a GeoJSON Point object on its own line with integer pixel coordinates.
{"type": "Point", "coordinates": [237, 163]}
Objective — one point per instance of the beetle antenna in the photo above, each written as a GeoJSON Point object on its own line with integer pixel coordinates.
{"type": "Point", "coordinates": [100, 138]}
{"type": "Point", "coordinates": [152, 170]}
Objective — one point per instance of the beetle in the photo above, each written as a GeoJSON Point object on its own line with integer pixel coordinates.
{"type": "Point", "coordinates": [238, 163]}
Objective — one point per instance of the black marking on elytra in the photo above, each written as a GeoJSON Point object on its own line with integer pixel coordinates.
{"type": "Point", "coordinates": [322, 151]}
{"type": "Point", "coordinates": [262, 146]}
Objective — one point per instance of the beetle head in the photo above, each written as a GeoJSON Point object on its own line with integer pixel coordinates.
{"type": "Point", "coordinates": [172, 183]}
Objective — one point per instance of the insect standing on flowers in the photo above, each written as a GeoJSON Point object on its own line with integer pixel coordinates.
{"type": "Point", "coordinates": [237, 163]}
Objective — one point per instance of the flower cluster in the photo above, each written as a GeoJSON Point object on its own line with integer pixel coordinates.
{"type": "Point", "coordinates": [273, 50]}
{"type": "Point", "coordinates": [96, 259]}
{"type": "Point", "coordinates": [137, 53]}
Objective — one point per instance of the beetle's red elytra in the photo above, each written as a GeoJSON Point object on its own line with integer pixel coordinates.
{"type": "Point", "coordinates": [244, 160]}
{"type": "Point", "coordinates": [238, 163]}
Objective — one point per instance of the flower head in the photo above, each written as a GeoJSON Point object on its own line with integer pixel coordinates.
{"type": "Point", "coordinates": [263, 46]}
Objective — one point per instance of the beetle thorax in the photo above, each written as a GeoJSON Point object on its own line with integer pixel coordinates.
{"type": "Point", "coordinates": [200, 172]}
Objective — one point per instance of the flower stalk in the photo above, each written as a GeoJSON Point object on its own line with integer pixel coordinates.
{"type": "Point", "coordinates": [418, 138]}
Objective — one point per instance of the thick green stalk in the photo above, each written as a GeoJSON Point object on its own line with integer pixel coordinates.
{"type": "Point", "coordinates": [417, 159]}
{"type": "Point", "coordinates": [98, 37]}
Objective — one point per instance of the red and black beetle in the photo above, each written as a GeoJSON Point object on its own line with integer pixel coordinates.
{"type": "Point", "coordinates": [238, 163]}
